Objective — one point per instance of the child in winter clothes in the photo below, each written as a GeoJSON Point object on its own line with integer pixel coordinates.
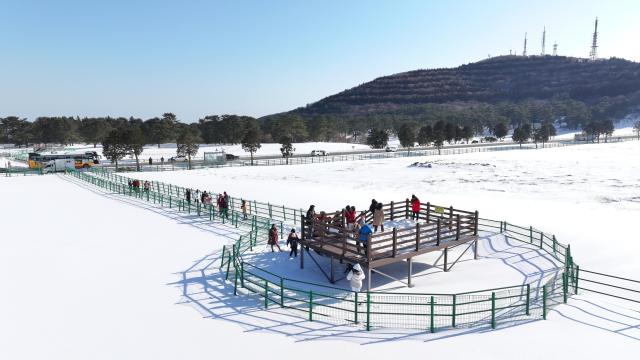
{"type": "Point", "coordinates": [355, 277]}
{"type": "Point", "coordinates": [273, 237]}
{"type": "Point", "coordinates": [292, 242]}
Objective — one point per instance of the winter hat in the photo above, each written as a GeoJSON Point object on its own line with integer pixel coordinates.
{"type": "Point", "coordinates": [357, 268]}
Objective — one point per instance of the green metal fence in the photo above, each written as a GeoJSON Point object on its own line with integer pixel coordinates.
{"type": "Point", "coordinates": [429, 312]}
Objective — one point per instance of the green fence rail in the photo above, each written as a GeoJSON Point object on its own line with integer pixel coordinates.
{"type": "Point", "coordinates": [430, 312]}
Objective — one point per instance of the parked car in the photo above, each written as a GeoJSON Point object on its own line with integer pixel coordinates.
{"type": "Point", "coordinates": [391, 148]}
{"type": "Point", "coordinates": [231, 157]}
{"type": "Point", "coordinates": [178, 158]}
{"type": "Point", "coordinates": [319, 153]}
{"type": "Point", "coordinates": [474, 142]}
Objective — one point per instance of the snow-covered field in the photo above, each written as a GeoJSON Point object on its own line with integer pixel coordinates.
{"type": "Point", "coordinates": [89, 274]}
{"type": "Point", "coordinates": [4, 162]}
{"type": "Point", "coordinates": [587, 195]}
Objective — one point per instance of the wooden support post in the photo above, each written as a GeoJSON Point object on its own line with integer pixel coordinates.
{"type": "Point", "coordinates": [395, 242]}
{"type": "Point", "coordinates": [332, 277]}
{"type": "Point", "coordinates": [417, 236]}
{"type": "Point", "coordinates": [438, 233]}
{"type": "Point", "coordinates": [368, 278]}
{"type": "Point", "coordinates": [428, 211]}
{"type": "Point", "coordinates": [391, 212]}
{"type": "Point", "coordinates": [458, 227]}
{"type": "Point", "coordinates": [446, 252]}
{"type": "Point", "coordinates": [475, 249]}
{"type": "Point", "coordinates": [369, 255]}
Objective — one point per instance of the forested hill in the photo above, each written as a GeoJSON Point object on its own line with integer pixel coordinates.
{"type": "Point", "coordinates": [510, 79]}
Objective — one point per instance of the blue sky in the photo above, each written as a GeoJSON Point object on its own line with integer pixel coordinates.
{"type": "Point", "coordinates": [193, 58]}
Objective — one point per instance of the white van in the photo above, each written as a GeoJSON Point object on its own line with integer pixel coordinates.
{"type": "Point", "coordinates": [319, 153]}
{"type": "Point", "coordinates": [391, 148]}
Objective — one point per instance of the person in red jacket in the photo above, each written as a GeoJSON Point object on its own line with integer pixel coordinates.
{"type": "Point", "coordinates": [350, 216]}
{"type": "Point", "coordinates": [273, 237]}
{"type": "Point", "coordinates": [415, 207]}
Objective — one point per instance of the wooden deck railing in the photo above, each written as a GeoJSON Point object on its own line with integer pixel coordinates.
{"type": "Point", "coordinates": [435, 228]}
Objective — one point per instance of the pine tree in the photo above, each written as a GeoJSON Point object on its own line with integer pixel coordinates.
{"type": "Point", "coordinates": [407, 136]}
{"type": "Point", "coordinates": [187, 142]}
{"type": "Point", "coordinates": [251, 141]}
{"type": "Point", "coordinates": [377, 138]}
{"type": "Point", "coordinates": [287, 148]}
{"type": "Point", "coordinates": [114, 147]}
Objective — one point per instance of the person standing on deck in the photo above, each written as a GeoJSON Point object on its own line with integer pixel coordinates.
{"type": "Point", "coordinates": [415, 208]}
{"type": "Point", "coordinates": [273, 237]}
{"type": "Point", "coordinates": [292, 242]}
{"type": "Point", "coordinates": [355, 277]}
{"type": "Point", "coordinates": [373, 206]}
{"type": "Point", "coordinates": [378, 218]}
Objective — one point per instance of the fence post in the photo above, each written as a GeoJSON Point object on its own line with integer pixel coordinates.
{"type": "Point", "coordinates": [575, 283]}
{"type": "Point", "coordinates": [432, 326]}
{"type": "Point", "coordinates": [270, 212]}
{"type": "Point", "coordinates": [544, 302]}
{"type": "Point", "coordinates": [406, 209]}
{"type": "Point", "coordinates": [368, 310]}
{"type": "Point", "coordinates": [458, 227]}
{"type": "Point", "coordinates": [266, 294]}
{"type": "Point", "coordinates": [475, 226]}
{"type": "Point", "coordinates": [281, 292]}
{"type": "Point", "coordinates": [453, 311]}
{"type": "Point", "coordinates": [310, 305]}
{"type": "Point", "coordinates": [428, 211]}
{"type": "Point", "coordinates": [235, 283]}
{"type": "Point", "coordinates": [528, 297]}
{"type": "Point", "coordinates": [355, 307]}
{"type": "Point", "coordinates": [531, 234]}
{"type": "Point", "coordinates": [493, 310]}
{"type": "Point", "coordinates": [242, 274]}
{"type": "Point", "coordinates": [555, 242]}
{"type": "Point", "coordinates": [438, 233]}
{"type": "Point", "coordinates": [564, 286]}
{"type": "Point", "coordinates": [392, 209]}
{"type": "Point", "coordinates": [541, 239]}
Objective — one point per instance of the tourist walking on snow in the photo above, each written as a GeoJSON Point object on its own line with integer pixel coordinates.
{"type": "Point", "coordinates": [150, 161]}
{"type": "Point", "coordinates": [415, 208]}
{"type": "Point", "coordinates": [187, 195]}
{"type": "Point", "coordinates": [273, 237]}
{"type": "Point", "coordinates": [378, 218]}
{"type": "Point", "coordinates": [355, 277]}
{"type": "Point", "coordinates": [292, 242]}
{"type": "Point", "coordinates": [146, 186]}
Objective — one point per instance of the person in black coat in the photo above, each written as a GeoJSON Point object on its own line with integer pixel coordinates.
{"type": "Point", "coordinates": [292, 242]}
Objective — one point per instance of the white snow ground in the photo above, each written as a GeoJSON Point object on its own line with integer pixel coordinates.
{"type": "Point", "coordinates": [587, 195]}
{"type": "Point", "coordinates": [87, 274]}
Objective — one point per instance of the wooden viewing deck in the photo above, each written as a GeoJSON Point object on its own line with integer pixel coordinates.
{"type": "Point", "coordinates": [437, 229]}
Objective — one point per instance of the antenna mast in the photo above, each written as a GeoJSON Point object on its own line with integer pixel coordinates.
{"type": "Point", "coordinates": [544, 38]}
{"type": "Point", "coordinates": [594, 43]}
{"type": "Point", "coordinates": [524, 52]}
